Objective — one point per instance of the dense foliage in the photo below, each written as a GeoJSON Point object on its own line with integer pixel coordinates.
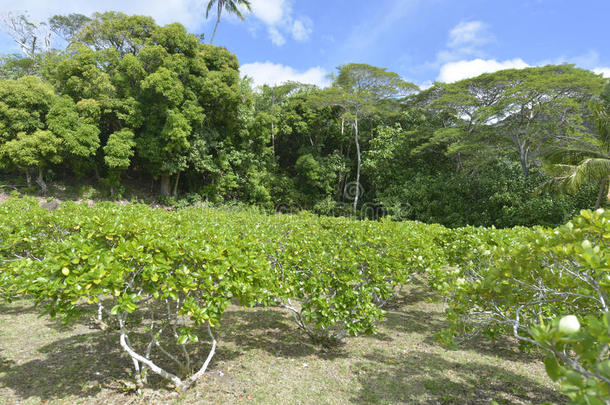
{"type": "Point", "coordinates": [539, 285]}
{"type": "Point", "coordinates": [162, 279]}
{"type": "Point", "coordinates": [174, 273]}
{"type": "Point", "coordinates": [126, 99]}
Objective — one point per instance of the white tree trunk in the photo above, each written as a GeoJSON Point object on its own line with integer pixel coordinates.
{"type": "Point", "coordinates": [358, 163]}
{"type": "Point", "coordinates": [175, 191]}
{"type": "Point", "coordinates": [142, 363]}
{"type": "Point", "coordinates": [40, 181]}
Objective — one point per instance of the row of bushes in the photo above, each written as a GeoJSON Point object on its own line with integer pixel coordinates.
{"type": "Point", "coordinates": [172, 275]}
{"type": "Point", "coordinates": [548, 288]}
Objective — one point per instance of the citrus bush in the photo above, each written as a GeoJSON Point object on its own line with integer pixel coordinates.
{"type": "Point", "coordinates": [163, 279]}
{"type": "Point", "coordinates": [25, 230]}
{"type": "Point", "coordinates": [337, 273]}
{"type": "Point", "coordinates": [154, 271]}
{"type": "Point", "coordinates": [527, 281]}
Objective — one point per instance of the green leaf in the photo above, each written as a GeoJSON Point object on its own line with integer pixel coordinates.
{"type": "Point", "coordinates": [552, 367]}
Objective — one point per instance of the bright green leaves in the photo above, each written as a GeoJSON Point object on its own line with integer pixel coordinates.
{"type": "Point", "coordinates": [128, 86]}
{"type": "Point", "coordinates": [334, 274]}
{"type": "Point", "coordinates": [25, 103]}
{"type": "Point", "coordinates": [119, 149]}
{"type": "Point", "coordinates": [546, 287]}
{"type": "Point", "coordinates": [588, 347]}
{"type": "Point", "coordinates": [552, 367]}
{"type": "Point", "coordinates": [165, 83]}
{"type": "Point", "coordinates": [80, 137]}
{"type": "Point", "coordinates": [40, 129]}
{"type": "Point", "coordinates": [187, 335]}
{"type": "Point", "coordinates": [35, 150]}
{"type": "Point", "coordinates": [340, 272]}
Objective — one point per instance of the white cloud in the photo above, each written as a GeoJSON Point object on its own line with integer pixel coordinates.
{"type": "Point", "coordinates": [274, 73]}
{"type": "Point", "coordinates": [458, 70]}
{"type": "Point", "coordinates": [468, 34]}
{"type": "Point", "coordinates": [464, 41]}
{"type": "Point", "coordinates": [278, 17]}
{"type": "Point", "coordinates": [426, 84]}
{"type": "Point", "coordinates": [604, 71]}
{"type": "Point", "coordinates": [276, 37]}
{"type": "Point", "coordinates": [270, 11]}
{"type": "Point", "coordinates": [590, 60]}
{"type": "Point", "coordinates": [301, 29]}
{"type": "Point", "coordinates": [455, 71]}
{"type": "Point", "coordinates": [463, 56]}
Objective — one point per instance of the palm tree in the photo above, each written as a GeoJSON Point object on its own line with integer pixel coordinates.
{"type": "Point", "coordinates": [573, 166]}
{"type": "Point", "coordinates": [232, 6]}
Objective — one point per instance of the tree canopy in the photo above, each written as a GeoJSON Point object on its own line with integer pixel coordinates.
{"type": "Point", "coordinates": [127, 98]}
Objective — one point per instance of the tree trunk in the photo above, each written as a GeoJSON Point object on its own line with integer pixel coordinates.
{"type": "Point", "coordinates": [28, 177]}
{"type": "Point", "coordinates": [96, 172]}
{"type": "Point", "coordinates": [40, 181]}
{"type": "Point", "coordinates": [273, 140]}
{"type": "Point", "coordinates": [523, 155]}
{"type": "Point", "coordinates": [165, 187]}
{"type": "Point", "coordinates": [217, 21]}
{"type": "Point", "coordinates": [525, 168]}
{"type": "Point", "coordinates": [358, 163]}
{"type": "Point", "coordinates": [175, 192]}
{"type": "Point", "coordinates": [603, 192]}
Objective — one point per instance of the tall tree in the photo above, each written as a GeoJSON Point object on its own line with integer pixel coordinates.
{"type": "Point", "coordinates": [116, 31]}
{"type": "Point", "coordinates": [232, 6]}
{"type": "Point", "coordinates": [362, 90]}
{"type": "Point", "coordinates": [32, 38]}
{"type": "Point", "coordinates": [268, 105]}
{"type": "Point", "coordinates": [35, 150]}
{"type": "Point", "coordinates": [545, 106]}
{"type": "Point", "coordinates": [118, 152]}
{"type": "Point", "coordinates": [515, 110]}
{"type": "Point", "coordinates": [66, 26]}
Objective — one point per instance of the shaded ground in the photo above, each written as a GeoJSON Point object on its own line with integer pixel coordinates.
{"type": "Point", "coordinates": [70, 188]}
{"type": "Point", "coordinates": [263, 358]}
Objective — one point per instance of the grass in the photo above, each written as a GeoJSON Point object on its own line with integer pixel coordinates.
{"type": "Point", "coordinates": [262, 358]}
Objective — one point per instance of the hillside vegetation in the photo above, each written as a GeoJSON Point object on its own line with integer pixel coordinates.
{"type": "Point", "coordinates": [128, 105]}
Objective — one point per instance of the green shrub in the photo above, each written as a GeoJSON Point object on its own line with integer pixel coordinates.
{"type": "Point", "coordinates": [525, 283]}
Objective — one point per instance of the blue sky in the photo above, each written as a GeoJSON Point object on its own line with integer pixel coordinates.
{"type": "Point", "coordinates": [422, 40]}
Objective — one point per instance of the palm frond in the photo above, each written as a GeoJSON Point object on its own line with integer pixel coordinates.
{"type": "Point", "coordinates": [246, 4]}
{"type": "Point", "coordinates": [210, 5]}
{"type": "Point", "coordinates": [593, 169]}
{"type": "Point", "coordinates": [572, 177]}
{"type": "Point", "coordinates": [232, 6]}
{"type": "Point", "coordinates": [572, 155]}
